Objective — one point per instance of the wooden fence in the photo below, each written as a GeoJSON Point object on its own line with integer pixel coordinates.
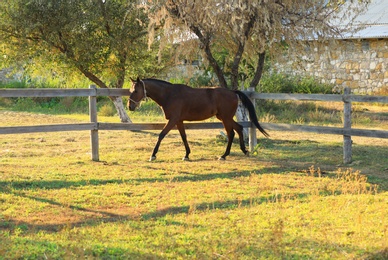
{"type": "Point", "coordinates": [94, 126]}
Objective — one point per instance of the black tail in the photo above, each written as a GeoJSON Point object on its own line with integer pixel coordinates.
{"type": "Point", "coordinates": [251, 109]}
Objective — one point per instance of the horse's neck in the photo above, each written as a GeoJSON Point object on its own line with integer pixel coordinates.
{"type": "Point", "coordinates": [156, 92]}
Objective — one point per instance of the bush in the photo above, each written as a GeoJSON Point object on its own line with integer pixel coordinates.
{"type": "Point", "coordinates": [149, 108]}
{"type": "Point", "coordinates": [282, 83]}
{"type": "Point", "coordinates": [107, 110]}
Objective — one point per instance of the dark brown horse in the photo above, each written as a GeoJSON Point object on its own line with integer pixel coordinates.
{"type": "Point", "coordinates": [183, 103]}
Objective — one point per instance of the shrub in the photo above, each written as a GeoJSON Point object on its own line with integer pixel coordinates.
{"type": "Point", "coordinates": [13, 84]}
{"type": "Point", "coordinates": [282, 83]}
{"type": "Point", "coordinates": [107, 110]}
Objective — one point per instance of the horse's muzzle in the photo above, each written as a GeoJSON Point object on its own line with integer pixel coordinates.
{"type": "Point", "coordinates": [132, 106]}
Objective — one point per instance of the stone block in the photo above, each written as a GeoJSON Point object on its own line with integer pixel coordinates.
{"type": "Point", "coordinates": [339, 81]}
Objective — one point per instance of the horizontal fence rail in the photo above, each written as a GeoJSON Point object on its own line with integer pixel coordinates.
{"type": "Point", "coordinates": [94, 125]}
{"type": "Point", "coordinates": [190, 126]}
{"type": "Point", "coordinates": [319, 97]}
{"type": "Point", "coordinates": [47, 128]}
{"type": "Point", "coordinates": [49, 92]}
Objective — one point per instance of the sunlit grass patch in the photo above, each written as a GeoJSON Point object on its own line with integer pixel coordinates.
{"type": "Point", "coordinates": [292, 199]}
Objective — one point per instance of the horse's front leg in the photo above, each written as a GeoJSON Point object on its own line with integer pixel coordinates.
{"type": "Point", "coordinates": [170, 124]}
{"type": "Point", "coordinates": [182, 131]}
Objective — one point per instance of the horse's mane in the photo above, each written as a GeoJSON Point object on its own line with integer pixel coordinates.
{"type": "Point", "coordinates": [159, 81]}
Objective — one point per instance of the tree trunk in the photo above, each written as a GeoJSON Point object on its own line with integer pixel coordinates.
{"type": "Point", "coordinates": [118, 102]}
{"type": "Point", "coordinates": [259, 70]}
{"type": "Point", "coordinates": [242, 116]}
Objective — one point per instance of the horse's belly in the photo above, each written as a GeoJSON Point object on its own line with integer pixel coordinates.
{"type": "Point", "coordinates": [198, 114]}
{"type": "Point", "coordinates": [197, 118]}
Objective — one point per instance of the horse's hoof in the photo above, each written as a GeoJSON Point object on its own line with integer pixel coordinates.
{"type": "Point", "coordinates": [221, 158]}
{"type": "Point", "coordinates": [153, 158]}
{"type": "Point", "coordinates": [185, 159]}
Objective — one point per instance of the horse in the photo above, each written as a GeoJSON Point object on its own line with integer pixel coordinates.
{"type": "Point", "coordinates": [182, 103]}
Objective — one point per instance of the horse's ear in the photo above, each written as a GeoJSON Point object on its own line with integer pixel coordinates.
{"type": "Point", "coordinates": [138, 79]}
{"type": "Point", "coordinates": [133, 81]}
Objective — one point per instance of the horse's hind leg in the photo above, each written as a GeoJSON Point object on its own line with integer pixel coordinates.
{"type": "Point", "coordinates": [182, 131]}
{"type": "Point", "coordinates": [239, 130]}
{"type": "Point", "coordinates": [229, 131]}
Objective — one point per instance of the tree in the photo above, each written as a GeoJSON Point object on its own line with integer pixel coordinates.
{"type": "Point", "coordinates": [105, 40]}
{"type": "Point", "coordinates": [248, 29]}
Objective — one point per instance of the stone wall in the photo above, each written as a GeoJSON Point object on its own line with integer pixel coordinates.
{"type": "Point", "coordinates": [4, 77]}
{"type": "Point", "coordinates": [7, 75]}
{"type": "Point", "coordinates": [359, 64]}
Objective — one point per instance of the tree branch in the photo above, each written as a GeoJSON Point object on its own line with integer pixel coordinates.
{"type": "Point", "coordinates": [121, 70]}
{"type": "Point", "coordinates": [240, 51]}
{"type": "Point", "coordinates": [173, 9]}
{"type": "Point", "coordinates": [259, 70]}
{"type": "Point", "coordinates": [91, 76]}
{"type": "Point", "coordinates": [209, 55]}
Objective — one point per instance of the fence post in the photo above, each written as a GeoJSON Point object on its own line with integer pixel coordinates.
{"type": "Point", "coordinates": [252, 129]}
{"type": "Point", "coordinates": [347, 126]}
{"type": "Point", "coordinates": [93, 119]}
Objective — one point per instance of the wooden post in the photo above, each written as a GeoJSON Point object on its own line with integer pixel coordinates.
{"type": "Point", "coordinates": [252, 129]}
{"type": "Point", "coordinates": [347, 126]}
{"type": "Point", "coordinates": [93, 119]}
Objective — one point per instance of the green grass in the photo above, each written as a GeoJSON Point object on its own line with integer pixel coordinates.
{"type": "Point", "coordinates": [292, 199]}
{"type": "Point", "coordinates": [322, 113]}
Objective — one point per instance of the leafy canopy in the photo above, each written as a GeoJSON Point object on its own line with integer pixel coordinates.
{"type": "Point", "coordinates": [105, 40]}
{"type": "Point", "coordinates": [247, 29]}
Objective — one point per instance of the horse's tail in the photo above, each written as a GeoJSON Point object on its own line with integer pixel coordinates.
{"type": "Point", "coordinates": [251, 109]}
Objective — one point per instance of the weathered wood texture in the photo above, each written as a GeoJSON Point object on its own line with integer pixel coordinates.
{"type": "Point", "coordinates": [319, 97]}
{"type": "Point", "coordinates": [191, 126]}
{"type": "Point", "coordinates": [159, 126]}
{"type": "Point", "coordinates": [347, 147]}
{"type": "Point", "coordinates": [47, 128]}
{"type": "Point", "coordinates": [93, 119]}
{"type": "Point", "coordinates": [63, 92]}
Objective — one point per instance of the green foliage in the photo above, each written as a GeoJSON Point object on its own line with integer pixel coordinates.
{"type": "Point", "coordinates": [59, 105]}
{"type": "Point", "coordinates": [13, 84]}
{"type": "Point", "coordinates": [103, 40]}
{"type": "Point", "coordinates": [300, 113]}
{"type": "Point", "coordinates": [107, 110]}
{"type": "Point", "coordinates": [282, 83]}
{"type": "Point", "coordinates": [149, 108]}
{"type": "Point", "coordinates": [201, 80]}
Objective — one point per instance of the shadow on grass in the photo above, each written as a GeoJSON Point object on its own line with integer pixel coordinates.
{"type": "Point", "coordinates": [101, 216]}
{"type": "Point", "coordinates": [10, 186]}
{"type": "Point", "coordinates": [274, 244]}
{"type": "Point", "coordinates": [216, 205]}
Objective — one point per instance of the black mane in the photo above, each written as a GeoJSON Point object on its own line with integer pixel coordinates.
{"type": "Point", "coordinates": [159, 81]}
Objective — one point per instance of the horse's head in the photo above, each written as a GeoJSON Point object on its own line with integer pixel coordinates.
{"type": "Point", "coordinates": [138, 94]}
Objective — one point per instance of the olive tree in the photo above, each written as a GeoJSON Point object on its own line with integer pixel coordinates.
{"type": "Point", "coordinates": [249, 29]}
{"type": "Point", "coordinates": [105, 40]}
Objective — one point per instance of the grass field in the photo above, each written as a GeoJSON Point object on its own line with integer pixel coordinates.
{"type": "Point", "coordinates": [292, 199]}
